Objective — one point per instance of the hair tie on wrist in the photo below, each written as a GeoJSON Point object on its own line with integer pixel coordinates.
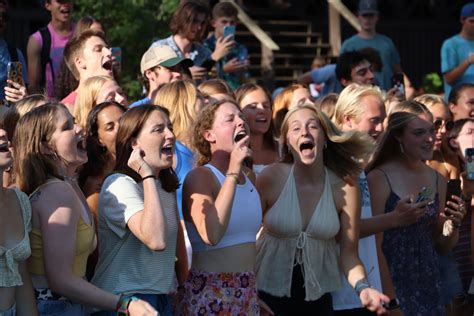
{"type": "Point", "coordinates": [149, 176]}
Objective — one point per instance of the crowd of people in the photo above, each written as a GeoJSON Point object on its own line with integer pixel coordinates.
{"type": "Point", "coordinates": [214, 196]}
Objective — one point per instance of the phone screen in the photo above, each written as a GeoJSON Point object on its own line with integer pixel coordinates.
{"type": "Point", "coordinates": [454, 188]}
{"type": "Point", "coordinates": [398, 83]}
{"type": "Point", "coordinates": [15, 72]}
{"type": "Point", "coordinates": [229, 30]}
{"type": "Point", "coordinates": [117, 57]}
{"type": "Point", "coordinates": [469, 157]}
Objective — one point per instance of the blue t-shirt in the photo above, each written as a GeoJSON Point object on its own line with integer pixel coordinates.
{"type": "Point", "coordinates": [388, 54]}
{"type": "Point", "coordinates": [143, 101]}
{"type": "Point", "coordinates": [198, 54]}
{"type": "Point", "coordinates": [184, 164]}
{"type": "Point", "coordinates": [4, 60]}
{"type": "Point", "coordinates": [326, 75]}
{"type": "Point", "coordinates": [454, 51]}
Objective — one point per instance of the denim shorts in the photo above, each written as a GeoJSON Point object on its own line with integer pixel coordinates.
{"type": "Point", "coordinates": [451, 285]}
{"type": "Point", "coordinates": [59, 308]}
{"type": "Point", "coordinates": [10, 312]}
{"type": "Point", "coordinates": [160, 302]}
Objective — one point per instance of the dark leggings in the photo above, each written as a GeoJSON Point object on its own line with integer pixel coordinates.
{"type": "Point", "coordinates": [296, 304]}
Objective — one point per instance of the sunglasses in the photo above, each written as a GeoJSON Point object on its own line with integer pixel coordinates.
{"type": "Point", "coordinates": [440, 123]}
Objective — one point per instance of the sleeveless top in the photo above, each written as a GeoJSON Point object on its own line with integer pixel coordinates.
{"type": "Point", "coordinates": [283, 244]}
{"type": "Point", "coordinates": [85, 235]}
{"type": "Point", "coordinates": [413, 260]}
{"type": "Point", "coordinates": [245, 217]}
{"type": "Point", "coordinates": [10, 257]}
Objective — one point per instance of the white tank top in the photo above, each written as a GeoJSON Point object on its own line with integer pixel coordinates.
{"type": "Point", "coordinates": [245, 219]}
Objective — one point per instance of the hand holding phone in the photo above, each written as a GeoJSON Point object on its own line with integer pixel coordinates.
{"type": "Point", "coordinates": [229, 30]}
{"type": "Point", "coordinates": [15, 72]}
{"type": "Point", "coordinates": [469, 158]}
{"type": "Point", "coordinates": [453, 188]}
{"type": "Point", "coordinates": [398, 83]}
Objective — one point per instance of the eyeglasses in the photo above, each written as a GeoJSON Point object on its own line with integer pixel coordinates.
{"type": "Point", "coordinates": [440, 123]}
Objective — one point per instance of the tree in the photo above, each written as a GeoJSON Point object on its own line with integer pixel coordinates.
{"type": "Point", "coordinates": [132, 25]}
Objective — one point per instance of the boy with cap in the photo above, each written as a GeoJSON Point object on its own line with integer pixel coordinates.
{"type": "Point", "coordinates": [160, 65]}
{"type": "Point", "coordinates": [368, 15]}
{"type": "Point", "coordinates": [457, 53]}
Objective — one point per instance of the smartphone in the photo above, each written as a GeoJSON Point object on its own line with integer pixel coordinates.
{"type": "Point", "coordinates": [117, 58]}
{"type": "Point", "coordinates": [393, 304]}
{"type": "Point", "coordinates": [469, 158]}
{"type": "Point", "coordinates": [423, 195]}
{"type": "Point", "coordinates": [454, 188]}
{"type": "Point", "coordinates": [398, 83]}
{"type": "Point", "coordinates": [229, 30]}
{"type": "Point", "coordinates": [15, 72]}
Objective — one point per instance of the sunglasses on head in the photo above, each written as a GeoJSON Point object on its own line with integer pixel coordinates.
{"type": "Point", "coordinates": [447, 124]}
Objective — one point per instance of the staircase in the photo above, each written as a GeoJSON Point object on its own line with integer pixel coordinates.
{"type": "Point", "coordinates": [299, 45]}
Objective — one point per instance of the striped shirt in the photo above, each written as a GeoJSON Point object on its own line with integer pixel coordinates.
{"type": "Point", "coordinates": [126, 265]}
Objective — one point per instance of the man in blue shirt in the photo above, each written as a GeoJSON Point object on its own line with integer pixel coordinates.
{"type": "Point", "coordinates": [160, 65]}
{"type": "Point", "coordinates": [368, 16]}
{"type": "Point", "coordinates": [457, 53]}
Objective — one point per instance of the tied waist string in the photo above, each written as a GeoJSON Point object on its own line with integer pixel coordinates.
{"type": "Point", "coordinates": [300, 258]}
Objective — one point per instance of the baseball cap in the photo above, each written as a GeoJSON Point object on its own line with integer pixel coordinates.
{"type": "Point", "coordinates": [467, 10]}
{"type": "Point", "coordinates": [162, 56]}
{"type": "Point", "coordinates": [367, 6]}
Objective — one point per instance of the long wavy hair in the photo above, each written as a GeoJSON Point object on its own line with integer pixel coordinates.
{"type": "Point", "coordinates": [345, 151]}
{"type": "Point", "coordinates": [131, 124]}
{"type": "Point", "coordinates": [87, 97]}
{"type": "Point", "coordinates": [179, 98]}
{"type": "Point", "coordinates": [33, 165]}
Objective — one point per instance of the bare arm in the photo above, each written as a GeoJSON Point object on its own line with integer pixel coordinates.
{"type": "Point", "coordinates": [305, 78]}
{"type": "Point", "coordinates": [182, 262]}
{"type": "Point", "coordinates": [58, 219]}
{"type": "Point", "coordinates": [24, 294]}
{"type": "Point", "coordinates": [348, 202]}
{"type": "Point", "coordinates": [452, 75]}
{"type": "Point", "coordinates": [148, 225]}
{"type": "Point", "coordinates": [379, 193]}
{"type": "Point", "coordinates": [210, 207]}
{"type": "Point", "coordinates": [33, 51]}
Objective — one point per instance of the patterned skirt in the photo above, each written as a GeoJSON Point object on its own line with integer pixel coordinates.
{"type": "Point", "coordinates": [212, 293]}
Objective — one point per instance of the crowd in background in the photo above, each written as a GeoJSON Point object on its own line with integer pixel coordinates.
{"type": "Point", "coordinates": [341, 194]}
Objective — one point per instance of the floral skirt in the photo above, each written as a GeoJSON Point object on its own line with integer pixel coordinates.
{"type": "Point", "coordinates": [212, 293]}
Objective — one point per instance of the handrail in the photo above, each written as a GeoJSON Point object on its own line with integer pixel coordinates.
{"type": "Point", "coordinates": [336, 9]}
{"type": "Point", "coordinates": [346, 13]}
{"type": "Point", "coordinates": [253, 27]}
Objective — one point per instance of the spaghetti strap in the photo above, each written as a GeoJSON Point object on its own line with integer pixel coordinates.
{"type": "Point", "coordinates": [386, 178]}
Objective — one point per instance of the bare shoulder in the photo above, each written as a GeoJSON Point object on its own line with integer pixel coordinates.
{"type": "Point", "coordinates": [274, 174]}
{"type": "Point", "coordinates": [52, 194]}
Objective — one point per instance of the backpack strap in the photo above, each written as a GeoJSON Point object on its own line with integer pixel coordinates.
{"type": "Point", "coordinates": [45, 54]}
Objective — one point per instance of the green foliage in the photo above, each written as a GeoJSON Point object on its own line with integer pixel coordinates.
{"type": "Point", "coordinates": [132, 25]}
{"type": "Point", "coordinates": [432, 83]}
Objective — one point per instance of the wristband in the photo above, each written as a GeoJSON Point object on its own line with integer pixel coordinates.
{"type": "Point", "coordinates": [234, 175]}
{"type": "Point", "coordinates": [123, 304]}
{"type": "Point", "coordinates": [150, 176]}
{"type": "Point", "coordinates": [361, 285]}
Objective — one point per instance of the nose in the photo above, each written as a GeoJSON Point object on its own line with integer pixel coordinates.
{"type": "Point", "coordinates": [78, 129]}
{"type": "Point", "coordinates": [120, 98]}
{"type": "Point", "coordinates": [170, 134]}
{"type": "Point", "coordinates": [379, 127]}
{"type": "Point", "coordinates": [107, 51]}
{"type": "Point", "coordinates": [3, 134]}
{"type": "Point", "coordinates": [370, 75]}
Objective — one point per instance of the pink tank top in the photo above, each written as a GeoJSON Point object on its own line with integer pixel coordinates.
{"type": "Point", "coordinates": [58, 43]}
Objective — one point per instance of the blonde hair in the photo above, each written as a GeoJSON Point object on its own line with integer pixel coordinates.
{"type": "Point", "coordinates": [87, 97]}
{"type": "Point", "coordinates": [19, 109]}
{"type": "Point", "coordinates": [413, 107]}
{"type": "Point", "coordinates": [348, 103]}
{"type": "Point", "coordinates": [179, 98]}
{"type": "Point", "coordinates": [430, 100]}
{"type": "Point", "coordinates": [216, 86]}
{"type": "Point", "coordinates": [344, 151]}
{"type": "Point", "coordinates": [32, 164]}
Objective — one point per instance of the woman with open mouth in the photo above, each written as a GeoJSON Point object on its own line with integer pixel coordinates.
{"type": "Point", "coordinates": [256, 103]}
{"type": "Point", "coordinates": [222, 213]}
{"type": "Point", "coordinates": [139, 230]}
{"type": "Point", "coordinates": [16, 291]}
{"type": "Point", "coordinates": [308, 199]}
{"type": "Point", "coordinates": [48, 150]}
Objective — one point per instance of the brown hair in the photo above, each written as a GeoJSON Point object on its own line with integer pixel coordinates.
{"type": "Point", "coordinates": [215, 86]}
{"type": "Point", "coordinates": [281, 104]}
{"type": "Point", "coordinates": [32, 165]}
{"type": "Point", "coordinates": [204, 123]}
{"type": "Point", "coordinates": [327, 104]}
{"type": "Point", "coordinates": [241, 93]}
{"type": "Point", "coordinates": [183, 17]}
{"type": "Point", "coordinates": [224, 9]}
{"type": "Point", "coordinates": [75, 47]}
{"type": "Point", "coordinates": [344, 150]}
{"type": "Point", "coordinates": [131, 124]}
